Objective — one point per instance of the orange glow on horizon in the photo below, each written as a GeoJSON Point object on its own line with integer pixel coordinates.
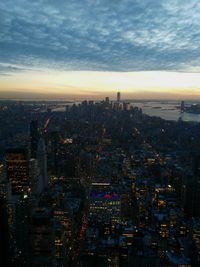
{"type": "Point", "coordinates": [151, 84]}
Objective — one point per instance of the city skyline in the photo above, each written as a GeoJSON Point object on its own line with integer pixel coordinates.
{"type": "Point", "coordinates": [78, 49]}
{"type": "Point", "coordinates": [99, 183]}
{"type": "Point", "coordinates": [99, 133]}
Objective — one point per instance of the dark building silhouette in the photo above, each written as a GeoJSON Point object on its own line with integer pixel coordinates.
{"type": "Point", "coordinates": [34, 137]}
{"type": "Point", "coordinates": [193, 198]}
{"type": "Point", "coordinates": [182, 106]}
{"type": "Point", "coordinates": [118, 96]}
{"type": "Point", "coordinates": [42, 161]}
{"type": "Point", "coordinates": [196, 165]}
{"type": "Point", "coordinates": [4, 234]}
{"type": "Point", "coordinates": [42, 238]}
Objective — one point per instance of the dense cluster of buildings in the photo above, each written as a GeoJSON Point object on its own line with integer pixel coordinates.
{"type": "Point", "coordinates": [97, 184]}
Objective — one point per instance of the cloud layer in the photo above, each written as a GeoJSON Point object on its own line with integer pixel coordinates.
{"type": "Point", "coordinates": [114, 35]}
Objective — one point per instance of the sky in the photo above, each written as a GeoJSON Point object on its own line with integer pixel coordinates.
{"type": "Point", "coordinates": [93, 48]}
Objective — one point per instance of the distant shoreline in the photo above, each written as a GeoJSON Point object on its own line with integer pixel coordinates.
{"type": "Point", "coordinates": [62, 100]}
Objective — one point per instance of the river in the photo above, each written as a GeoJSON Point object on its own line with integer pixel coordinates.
{"type": "Point", "coordinates": [167, 110]}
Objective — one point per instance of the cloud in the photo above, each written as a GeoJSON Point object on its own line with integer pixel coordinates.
{"type": "Point", "coordinates": [114, 35]}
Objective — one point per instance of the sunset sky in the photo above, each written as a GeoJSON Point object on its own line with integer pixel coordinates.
{"type": "Point", "coordinates": [92, 48]}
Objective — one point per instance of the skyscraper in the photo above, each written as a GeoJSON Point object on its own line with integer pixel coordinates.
{"type": "Point", "coordinates": [34, 138]}
{"type": "Point", "coordinates": [34, 174]}
{"type": "Point", "coordinates": [104, 203]}
{"type": "Point", "coordinates": [42, 162]}
{"type": "Point", "coordinates": [42, 238]}
{"type": "Point", "coordinates": [118, 96]}
{"type": "Point", "coordinates": [193, 198]}
{"type": "Point", "coordinates": [4, 234]}
{"type": "Point", "coordinates": [107, 100]}
{"type": "Point", "coordinates": [182, 106]}
{"type": "Point", "coordinates": [17, 170]}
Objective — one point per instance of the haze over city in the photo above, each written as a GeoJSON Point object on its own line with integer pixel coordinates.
{"type": "Point", "coordinates": [89, 49]}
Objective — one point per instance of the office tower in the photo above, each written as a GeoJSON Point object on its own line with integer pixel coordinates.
{"type": "Point", "coordinates": [69, 168]}
{"type": "Point", "coordinates": [61, 245]}
{"type": "Point", "coordinates": [4, 234]}
{"type": "Point", "coordinates": [126, 106]}
{"type": "Point", "coordinates": [196, 164]}
{"type": "Point", "coordinates": [20, 230]}
{"type": "Point", "coordinates": [67, 111]}
{"type": "Point", "coordinates": [195, 231]}
{"type": "Point", "coordinates": [118, 96]}
{"type": "Point", "coordinates": [105, 203]}
{"type": "Point", "coordinates": [34, 136]}
{"type": "Point", "coordinates": [193, 198]}
{"type": "Point", "coordinates": [35, 176]}
{"type": "Point", "coordinates": [67, 107]}
{"type": "Point", "coordinates": [18, 207]}
{"type": "Point", "coordinates": [54, 156]}
{"type": "Point", "coordinates": [17, 170]}
{"type": "Point", "coordinates": [107, 100]}
{"type": "Point", "coordinates": [49, 111]}
{"type": "Point", "coordinates": [182, 106]}
{"type": "Point", "coordinates": [42, 238]}
{"type": "Point", "coordinates": [42, 162]}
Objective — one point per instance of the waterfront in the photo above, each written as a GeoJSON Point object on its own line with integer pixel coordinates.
{"type": "Point", "coordinates": [166, 110]}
